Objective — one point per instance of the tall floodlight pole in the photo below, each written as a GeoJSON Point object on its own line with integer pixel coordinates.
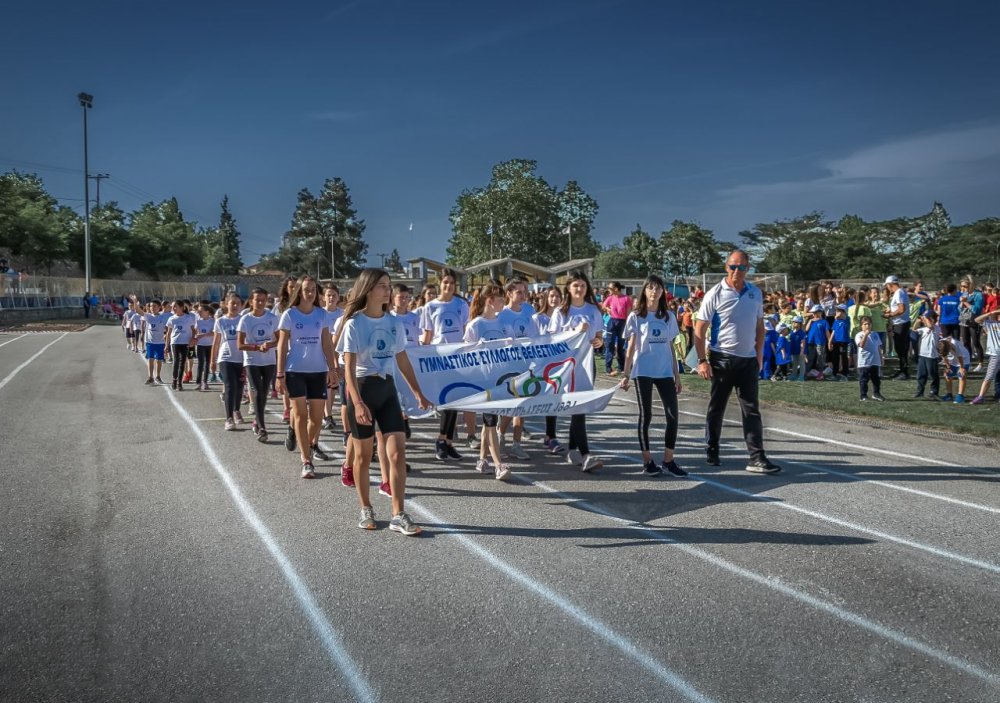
{"type": "Point", "coordinates": [86, 102]}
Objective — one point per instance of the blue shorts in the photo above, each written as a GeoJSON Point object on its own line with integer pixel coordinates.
{"type": "Point", "coordinates": [154, 351]}
{"type": "Point", "coordinates": [953, 371]}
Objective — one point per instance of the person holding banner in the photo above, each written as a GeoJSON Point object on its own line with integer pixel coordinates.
{"type": "Point", "coordinates": [551, 300]}
{"type": "Point", "coordinates": [733, 312]}
{"type": "Point", "coordinates": [373, 344]}
{"type": "Point", "coordinates": [444, 321]}
{"type": "Point", "coordinates": [484, 326]}
{"type": "Point", "coordinates": [650, 330]}
{"type": "Point", "coordinates": [579, 313]}
{"type": "Point", "coordinates": [517, 315]}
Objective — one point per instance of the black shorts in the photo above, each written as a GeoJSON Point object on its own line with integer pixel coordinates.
{"type": "Point", "coordinates": [311, 386]}
{"type": "Point", "coordinates": [128, 334]}
{"type": "Point", "coordinates": [379, 394]}
{"type": "Point", "coordinates": [343, 391]}
{"type": "Point", "coordinates": [490, 420]}
{"type": "Point", "coordinates": [192, 352]}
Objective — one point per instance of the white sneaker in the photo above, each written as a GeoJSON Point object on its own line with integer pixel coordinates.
{"type": "Point", "coordinates": [483, 466]}
{"type": "Point", "coordinates": [978, 368]}
{"type": "Point", "coordinates": [502, 472]}
{"type": "Point", "coordinates": [518, 452]}
{"type": "Point", "coordinates": [591, 463]}
{"type": "Point", "coordinates": [473, 442]}
{"type": "Point", "coordinates": [573, 456]}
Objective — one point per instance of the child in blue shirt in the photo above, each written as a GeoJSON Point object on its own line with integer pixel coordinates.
{"type": "Point", "coordinates": [840, 338]}
{"type": "Point", "coordinates": [782, 353]}
{"type": "Point", "coordinates": [770, 339]}
{"type": "Point", "coordinates": [796, 342]}
{"type": "Point", "coordinates": [817, 341]}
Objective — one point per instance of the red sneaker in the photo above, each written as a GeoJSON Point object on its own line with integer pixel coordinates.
{"type": "Point", "coordinates": [385, 490]}
{"type": "Point", "coordinates": [284, 417]}
{"type": "Point", "coordinates": [187, 377]}
{"type": "Point", "coordinates": [347, 476]}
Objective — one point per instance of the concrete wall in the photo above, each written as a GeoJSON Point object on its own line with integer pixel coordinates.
{"type": "Point", "coordinates": [17, 317]}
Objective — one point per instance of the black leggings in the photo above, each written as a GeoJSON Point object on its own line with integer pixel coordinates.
{"type": "Point", "coordinates": [550, 426]}
{"type": "Point", "coordinates": [204, 361]}
{"type": "Point", "coordinates": [838, 358]}
{"type": "Point", "coordinates": [261, 378]}
{"type": "Point", "coordinates": [449, 420]}
{"type": "Point", "coordinates": [232, 395]}
{"type": "Point", "coordinates": [901, 343]}
{"type": "Point", "coordinates": [180, 352]}
{"type": "Point", "coordinates": [668, 397]}
{"type": "Point", "coordinates": [972, 337]}
{"type": "Point", "coordinates": [578, 434]}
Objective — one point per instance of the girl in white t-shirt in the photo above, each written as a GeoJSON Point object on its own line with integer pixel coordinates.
{"type": "Point", "coordinates": [227, 360]}
{"type": "Point", "coordinates": [280, 305]}
{"type": "Point", "coordinates": [444, 321]}
{"type": "Point", "coordinates": [331, 303]}
{"type": "Point", "coordinates": [204, 340]}
{"type": "Point", "coordinates": [306, 370]}
{"type": "Point", "coordinates": [257, 338]}
{"type": "Point", "coordinates": [551, 299]}
{"type": "Point", "coordinates": [579, 313]}
{"type": "Point", "coordinates": [180, 333]}
{"type": "Point", "coordinates": [483, 327]}
{"type": "Point", "coordinates": [373, 344]}
{"type": "Point", "coordinates": [650, 330]}
{"type": "Point", "coordinates": [517, 315]}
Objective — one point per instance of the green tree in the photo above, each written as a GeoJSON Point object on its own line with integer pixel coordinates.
{"type": "Point", "coordinates": [163, 243]}
{"type": "Point", "coordinates": [797, 247]}
{"type": "Point", "coordinates": [110, 240]}
{"type": "Point", "coordinates": [31, 224]}
{"type": "Point", "coordinates": [644, 252]}
{"type": "Point", "coordinates": [393, 263]}
{"type": "Point", "coordinates": [689, 250]}
{"type": "Point", "coordinates": [527, 218]}
{"type": "Point", "coordinates": [613, 262]}
{"type": "Point", "coordinates": [316, 222]}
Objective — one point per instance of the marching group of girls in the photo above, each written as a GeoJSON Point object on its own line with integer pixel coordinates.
{"type": "Point", "coordinates": [306, 345]}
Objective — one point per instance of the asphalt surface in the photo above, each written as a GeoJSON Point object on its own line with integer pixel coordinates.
{"type": "Point", "coordinates": [146, 554]}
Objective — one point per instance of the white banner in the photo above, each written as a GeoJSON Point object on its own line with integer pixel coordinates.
{"type": "Point", "coordinates": [513, 372]}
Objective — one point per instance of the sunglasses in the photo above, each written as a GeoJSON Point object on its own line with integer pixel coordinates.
{"type": "Point", "coordinates": [737, 267]}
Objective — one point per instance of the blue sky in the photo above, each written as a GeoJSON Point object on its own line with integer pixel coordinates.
{"type": "Point", "coordinates": [727, 113]}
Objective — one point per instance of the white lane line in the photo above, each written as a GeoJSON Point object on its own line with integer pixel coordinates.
{"type": "Point", "coordinates": [13, 340]}
{"type": "Point", "coordinates": [37, 354]}
{"type": "Point", "coordinates": [781, 587]}
{"type": "Point", "coordinates": [332, 642]}
{"type": "Point", "coordinates": [646, 660]}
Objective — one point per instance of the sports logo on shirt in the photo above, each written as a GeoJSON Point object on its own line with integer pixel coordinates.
{"type": "Point", "coordinates": [381, 344]}
{"type": "Point", "coordinates": [656, 332]}
{"type": "Point", "coordinates": [261, 331]}
{"type": "Point", "coordinates": [448, 322]}
{"type": "Point", "coordinates": [299, 325]}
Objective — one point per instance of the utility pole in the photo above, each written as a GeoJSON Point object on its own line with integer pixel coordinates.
{"type": "Point", "coordinates": [382, 256]}
{"type": "Point", "coordinates": [99, 177]}
{"type": "Point", "coordinates": [86, 102]}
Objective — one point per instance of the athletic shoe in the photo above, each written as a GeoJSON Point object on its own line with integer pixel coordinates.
{"type": "Point", "coordinates": [518, 452]}
{"type": "Point", "coordinates": [901, 376]}
{"type": "Point", "coordinates": [947, 397]}
{"type": "Point", "coordinates": [554, 447]}
{"type": "Point", "coordinates": [347, 436]}
{"type": "Point", "coordinates": [230, 425]}
{"type": "Point", "coordinates": [254, 428]}
{"type": "Point", "coordinates": [408, 469]}
{"type": "Point", "coordinates": [173, 384]}
{"type": "Point", "coordinates": [402, 524]}
{"type": "Point", "coordinates": [284, 415]}
{"type": "Point", "coordinates": [308, 471]}
{"type": "Point", "coordinates": [712, 457]}
{"type": "Point", "coordinates": [979, 367]}
{"type": "Point", "coordinates": [879, 397]}
{"type": "Point", "coordinates": [762, 466]}
{"type": "Point", "coordinates": [213, 377]}
{"type": "Point", "coordinates": [149, 382]}
{"type": "Point", "coordinates": [368, 518]}
{"type": "Point", "coordinates": [290, 439]}
{"type": "Point", "coordinates": [573, 456]}
{"type": "Point", "coordinates": [347, 476]}
{"type": "Point", "coordinates": [159, 381]}
{"type": "Point", "coordinates": [502, 472]}
{"type": "Point", "coordinates": [274, 395]}
{"type": "Point", "coordinates": [246, 399]}
{"type": "Point", "coordinates": [674, 469]}
{"type": "Point", "coordinates": [978, 400]}
{"type": "Point", "coordinates": [591, 463]}
{"type": "Point", "coordinates": [651, 469]}
{"type": "Point", "coordinates": [180, 386]}
{"type": "Point", "coordinates": [384, 489]}
{"type": "Point", "coordinates": [864, 398]}
{"type": "Point", "coordinates": [525, 434]}
{"type": "Point", "coordinates": [222, 399]}
{"type": "Point", "coordinates": [319, 453]}
{"type": "Point", "coordinates": [262, 436]}
{"type": "Point", "coordinates": [959, 399]}
{"type": "Point", "coordinates": [483, 466]}
{"type": "Point", "coordinates": [441, 449]}
{"type": "Point", "coordinates": [238, 416]}
{"type": "Point", "coordinates": [473, 442]}
{"type": "Point", "coordinates": [918, 395]}
{"type": "Point", "coordinates": [328, 422]}
{"type": "Point", "coordinates": [187, 377]}
{"type": "Point", "coordinates": [451, 452]}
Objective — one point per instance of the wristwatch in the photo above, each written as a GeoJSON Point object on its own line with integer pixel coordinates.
{"type": "Point", "coordinates": [702, 360]}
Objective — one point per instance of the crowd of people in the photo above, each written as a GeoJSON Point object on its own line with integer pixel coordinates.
{"type": "Point", "coordinates": [314, 351]}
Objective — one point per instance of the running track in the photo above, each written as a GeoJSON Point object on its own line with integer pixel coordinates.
{"type": "Point", "coordinates": [148, 555]}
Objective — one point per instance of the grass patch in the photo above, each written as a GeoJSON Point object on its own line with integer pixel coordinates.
{"type": "Point", "coordinates": [841, 398]}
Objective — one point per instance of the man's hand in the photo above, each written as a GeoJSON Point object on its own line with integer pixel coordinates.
{"type": "Point", "coordinates": [705, 370]}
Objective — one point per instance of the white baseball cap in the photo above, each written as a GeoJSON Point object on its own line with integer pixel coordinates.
{"type": "Point", "coordinates": [816, 308]}
{"type": "Point", "coordinates": [891, 279]}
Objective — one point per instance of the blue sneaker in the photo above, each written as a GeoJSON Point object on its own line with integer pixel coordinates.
{"type": "Point", "coordinates": [947, 397]}
{"type": "Point", "coordinates": [959, 399]}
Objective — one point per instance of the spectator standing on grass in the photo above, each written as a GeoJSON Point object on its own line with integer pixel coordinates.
{"type": "Point", "coordinates": [869, 360]}
{"type": "Point", "coordinates": [618, 306]}
{"type": "Point", "coordinates": [991, 326]}
{"type": "Point", "coordinates": [898, 313]}
{"type": "Point", "coordinates": [729, 342]}
{"type": "Point", "coordinates": [947, 308]}
{"type": "Point", "coordinates": [817, 339]}
{"type": "Point", "coordinates": [972, 304]}
{"type": "Point", "coordinates": [928, 356]}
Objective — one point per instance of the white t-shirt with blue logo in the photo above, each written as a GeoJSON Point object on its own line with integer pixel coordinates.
{"type": "Point", "coordinates": [411, 325]}
{"type": "Point", "coordinates": [205, 326]}
{"type": "Point", "coordinates": [542, 322]}
{"type": "Point", "coordinates": [258, 330]}
{"type": "Point", "coordinates": [732, 316]}
{"type": "Point", "coordinates": [654, 356]}
{"type": "Point", "coordinates": [520, 322]}
{"type": "Point", "coordinates": [180, 328]}
{"type": "Point", "coordinates": [446, 321]}
{"type": "Point", "coordinates": [305, 339]}
{"type": "Point", "coordinates": [483, 330]}
{"type": "Point", "coordinates": [156, 327]}
{"type": "Point", "coordinates": [375, 341]}
{"type": "Point", "coordinates": [577, 316]}
{"type": "Point", "coordinates": [226, 327]}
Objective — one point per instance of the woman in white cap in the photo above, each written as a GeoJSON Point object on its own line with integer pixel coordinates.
{"type": "Point", "coordinates": [899, 314]}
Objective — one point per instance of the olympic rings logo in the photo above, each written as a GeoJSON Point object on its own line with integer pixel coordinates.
{"type": "Point", "coordinates": [559, 375]}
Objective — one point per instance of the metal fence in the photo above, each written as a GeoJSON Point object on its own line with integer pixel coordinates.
{"type": "Point", "coordinates": [21, 292]}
